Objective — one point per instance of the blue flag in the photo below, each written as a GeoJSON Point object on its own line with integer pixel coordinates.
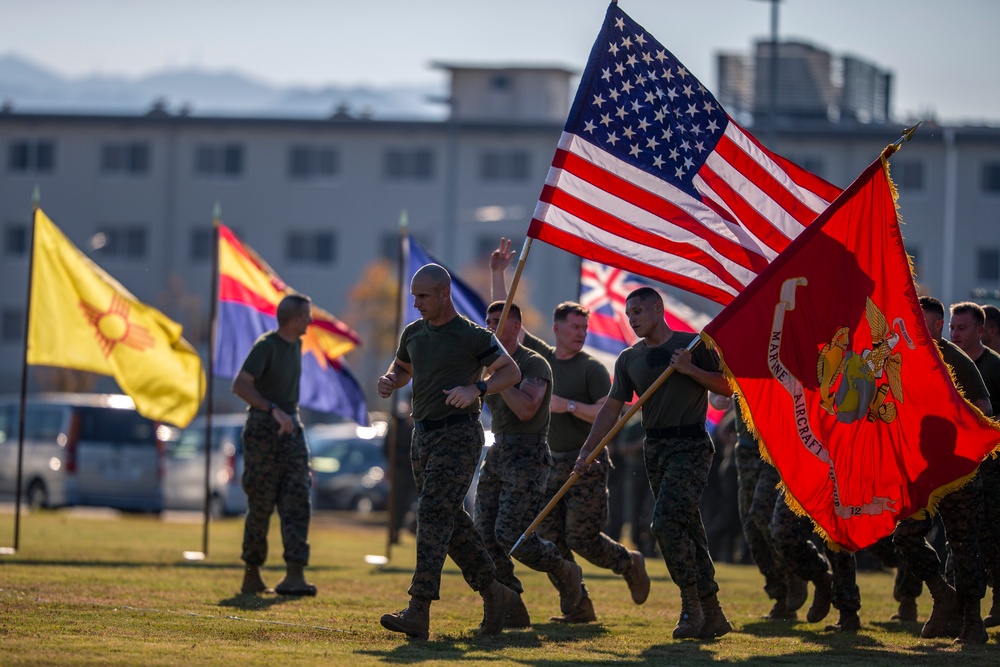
{"type": "Point", "coordinates": [466, 301]}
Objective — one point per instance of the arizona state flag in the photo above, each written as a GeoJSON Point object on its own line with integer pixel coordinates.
{"type": "Point", "coordinates": [847, 391]}
{"type": "Point", "coordinates": [80, 317]}
{"type": "Point", "coordinates": [249, 293]}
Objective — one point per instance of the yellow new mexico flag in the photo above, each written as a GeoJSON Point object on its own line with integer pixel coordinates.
{"type": "Point", "coordinates": [80, 317]}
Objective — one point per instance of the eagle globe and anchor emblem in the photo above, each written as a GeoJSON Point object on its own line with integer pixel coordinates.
{"type": "Point", "coordinates": [857, 385]}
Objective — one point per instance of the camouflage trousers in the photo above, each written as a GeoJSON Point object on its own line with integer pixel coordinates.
{"type": "Point", "coordinates": [678, 471]}
{"type": "Point", "coordinates": [758, 494]}
{"type": "Point", "coordinates": [792, 537]}
{"type": "Point", "coordinates": [962, 513]}
{"type": "Point", "coordinates": [907, 585]}
{"type": "Point", "coordinates": [275, 475]}
{"type": "Point", "coordinates": [989, 540]}
{"type": "Point", "coordinates": [577, 520]}
{"type": "Point", "coordinates": [510, 495]}
{"type": "Point", "coordinates": [444, 462]}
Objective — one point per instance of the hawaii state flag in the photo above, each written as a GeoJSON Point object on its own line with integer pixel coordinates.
{"type": "Point", "coordinates": [467, 302]}
{"type": "Point", "coordinates": [249, 293]}
{"type": "Point", "coordinates": [847, 391]}
{"type": "Point", "coordinates": [603, 290]}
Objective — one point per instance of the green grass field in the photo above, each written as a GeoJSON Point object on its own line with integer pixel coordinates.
{"type": "Point", "coordinates": [107, 590]}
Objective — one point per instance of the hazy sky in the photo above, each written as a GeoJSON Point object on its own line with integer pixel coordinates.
{"type": "Point", "coordinates": [944, 55]}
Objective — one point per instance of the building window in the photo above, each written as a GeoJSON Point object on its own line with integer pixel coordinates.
{"type": "Point", "coordinates": [509, 166]}
{"type": "Point", "coordinates": [31, 156]}
{"type": "Point", "coordinates": [988, 265]}
{"type": "Point", "coordinates": [306, 162]}
{"type": "Point", "coordinates": [218, 160]}
{"type": "Point", "coordinates": [200, 242]}
{"type": "Point", "coordinates": [312, 247]}
{"type": "Point", "coordinates": [15, 239]}
{"type": "Point", "coordinates": [409, 164]}
{"type": "Point", "coordinates": [11, 324]}
{"type": "Point", "coordinates": [123, 241]}
{"type": "Point", "coordinates": [128, 158]}
{"type": "Point", "coordinates": [991, 177]}
{"type": "Point", "coordinates": [390, 245]}
{"type": "Point", "coordinates": [908, 175]}
{"type": "Point", "coordinates": [500, 82]}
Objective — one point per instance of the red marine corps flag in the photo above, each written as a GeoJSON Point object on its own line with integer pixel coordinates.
{"type": "Point", "coordinates": [851, 399]}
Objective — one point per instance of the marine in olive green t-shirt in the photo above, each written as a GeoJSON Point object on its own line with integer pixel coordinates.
{"type": "Point", "coordinates": [580, 378]}
{"type": "Point", "coordinates": [681, 400]}
{"type": "Point", "coordinates": [532, 365]}
{"type": "Point", "coordinates": [276, 366]}
{"type": "Point", "coordinates": [967, 376]}
{"type": "Point", "coordinates": [444, 357]}
{"type": "Point", "coordinates": [988, 364]}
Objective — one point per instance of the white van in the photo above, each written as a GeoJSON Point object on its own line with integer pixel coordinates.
{"type": "Point", "coordinates": [84, 449]}
{"type": "Point", "coordinates": [184, 484]}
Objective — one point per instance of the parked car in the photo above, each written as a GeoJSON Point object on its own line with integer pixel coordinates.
{"type": "Point", "coordinates": [184, 484]}
{"type": "Point", "coordinates": [348, 467]}
{"type": "Point", "coordinates": [84, 449]}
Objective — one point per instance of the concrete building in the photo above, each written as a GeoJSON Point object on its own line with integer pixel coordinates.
{"type": "Point", "coordinates": [812, 84]}
{"type": "Point", "coordinates": [320, 199]}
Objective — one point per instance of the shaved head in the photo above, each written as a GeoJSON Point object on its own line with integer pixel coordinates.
{"type": "Point", "coordinates": [435, 275]}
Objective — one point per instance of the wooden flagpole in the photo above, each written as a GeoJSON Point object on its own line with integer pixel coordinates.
{"type": "Point", "coordinates": [600, 448]}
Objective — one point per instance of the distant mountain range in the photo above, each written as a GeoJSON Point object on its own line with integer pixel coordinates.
{"type": "Point", "coordinates": [26, 86]}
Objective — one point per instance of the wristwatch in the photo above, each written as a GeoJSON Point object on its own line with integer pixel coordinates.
{"type": "Point", "coordinates": [271, 408]}
{"type": "Point", "coordinates": [570, 406]}
{"type": "Point", "coordinates": [481, 386]}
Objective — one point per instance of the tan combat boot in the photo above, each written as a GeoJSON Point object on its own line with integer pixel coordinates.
{"type": "Point", "coordinates": [945, 605]}
{"type": "Point", "coordinates": [636, 577]}
{"type": "Point", "coordinates": [583, 613]}
{"type": "Point", "coordinates": [849, 622]}
{"type": "Point", "coordinates": [716, 623]}
{"type": "Point", "coordinates": [907, 610]}
{"type": "Point", "coordinates": [568, 578]}
{"type": "Point", "coordinates": [780, 612]}
{"type": "Point", "coordinates": [414, 621]}
{"type": "Point", "coordinates": [253, 583]}
{"type": "Point", "coordinates": [973, 629]}
{"type": "Point", "coordinates": [692, 618]}
{"type": "Point", "coordinates": [821, 598]}
{"type": "Point", "coordinates": [498, 601]}
{"type": "Point", "coordinates": [797, 594]}
{"type": "Point", "coordinates": [518, 617]}
{"type": "Point", "coordinates": [295, 582]}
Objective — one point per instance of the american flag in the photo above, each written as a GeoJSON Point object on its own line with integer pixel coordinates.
{"type": "Point", "coordinates": [652, 176]}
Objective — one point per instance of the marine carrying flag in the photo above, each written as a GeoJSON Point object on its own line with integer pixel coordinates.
{"type": "Point", "coordinates": [82, 318]}
{"type": "Point", "coordinates": [847, 391]}
{"type": "Point", "coordinates": [652, 176]}
{"type": "Point", "coordinates": [464, 298]}
{"type": "Point", "coordinates": [249, 293]}
{"type": "Point", "coordinates": [603, 290]}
